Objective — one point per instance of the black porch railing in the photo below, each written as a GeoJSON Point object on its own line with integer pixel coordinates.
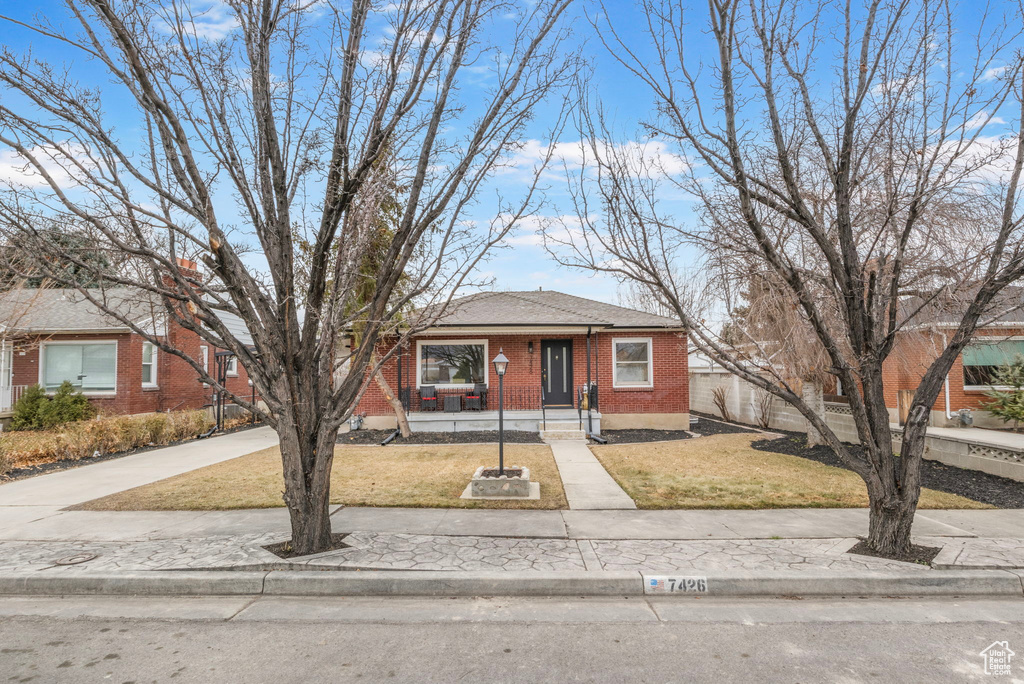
{"type": "Point", "coordinates": [516, 399]}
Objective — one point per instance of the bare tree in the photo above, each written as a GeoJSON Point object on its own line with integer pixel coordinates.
{"type": "Point", "coordinates": [842, 149]}
{"type": "Point", "coordinates": [278, 122]}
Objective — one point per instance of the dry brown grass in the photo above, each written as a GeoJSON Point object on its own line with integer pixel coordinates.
{"type": "Point", "coordinates": [106, 435]}
{"type": "Point", "coordinates": [419, 476]}
{"type": "Point", "coordinates": [724, 471]}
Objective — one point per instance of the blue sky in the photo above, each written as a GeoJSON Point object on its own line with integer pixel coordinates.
{"type": "Point", "coordinates": [523, 264]}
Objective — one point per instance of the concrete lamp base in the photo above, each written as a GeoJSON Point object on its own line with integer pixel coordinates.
{"type": "Point", "coordinates": [491, 486]}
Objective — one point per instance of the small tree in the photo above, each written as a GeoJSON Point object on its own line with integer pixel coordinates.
{"type": "Point", "coordinates": [1008, 404]}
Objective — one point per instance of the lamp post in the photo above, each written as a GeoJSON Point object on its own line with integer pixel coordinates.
{"type": "Point", "coordinates": [500, 364]}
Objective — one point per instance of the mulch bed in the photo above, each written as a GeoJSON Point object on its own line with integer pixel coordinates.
{"type": "Point", "coordinates": [639, 436]}
{"type": "Point", "coordinates": [469, 437]}
{"type": "Point", "coordinates": [711, 425]}
{"type": "Point", "coordinates": [996, 491]}
{"type": "Point", "coordinates": [68, 464]}
{"type": "Point", "coordinates": [918, 554]}
{"type": "Point", "coordinates": [284, 549]}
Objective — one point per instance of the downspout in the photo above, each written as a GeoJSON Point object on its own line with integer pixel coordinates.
{"type": "Point", "coordinates": [949, 416]}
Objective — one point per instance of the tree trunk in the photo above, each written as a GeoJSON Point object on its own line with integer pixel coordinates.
{"type": "Point", "coordinates": [396, 403]}
{"type": "Point", "coordinates": [814, 396]}
{"type": "Point", "coordinates": [889, 526]}
{"type": "Point", "coordinates": [307, 455]}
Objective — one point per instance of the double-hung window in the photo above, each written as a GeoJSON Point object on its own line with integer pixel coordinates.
{"type": "Point", "coordinates": [982, 360]}
{"type": "Point", "coordinates": [633, 365]}
{"type": "Point", "coordinates": [89, 366]}
{"type": "Point", "coordinates": [148, 364]}
{"type": "Point", "coordinates": [453, 363]}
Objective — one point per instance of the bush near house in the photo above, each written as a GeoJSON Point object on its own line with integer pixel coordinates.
{"type": "Point", "coordinates": [1008, 404]}
{"type": "Point", "coordinates": [37, 411]}
{"type": "Point", "coordinates": [81, 439]}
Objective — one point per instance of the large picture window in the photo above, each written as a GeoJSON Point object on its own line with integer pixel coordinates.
{"type": "Point", "coordinates": [90, 367]}
{"type": "Point", "coordinates": [982, 360]}
{"type": "Point", "coordinates": [633, 364]}
{"type": "Point", "coordinates": [452, 363]}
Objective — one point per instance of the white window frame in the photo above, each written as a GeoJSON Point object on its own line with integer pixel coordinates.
{"type": "Point", "coordinates": [90, 393]}
{"type": "Point", "coordinates": [204, 351]}
{"type": "Point", "coordinates": [650, 364]}
{"type": "Point", "coordinates": [153, 380]}
{"type": "Point", "coordinates": [232, 369]}
{"type": "Point", "coordinates": [429, 342]}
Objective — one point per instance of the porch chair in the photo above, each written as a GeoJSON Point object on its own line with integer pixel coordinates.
{"type": "Point", "coordinates": [476, 399]}
{"type": "Point", "coordinates": [428, 398]}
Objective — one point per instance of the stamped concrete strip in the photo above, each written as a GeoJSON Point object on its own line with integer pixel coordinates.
{"type": "Point", "coordinates": [185, 583]}
{"type": "Point", "coordinates": [78, 485]}
{"type": "Point", "coordinates": [449, 583]}
{"type": "Point", "coordinates": [588, 486]}
{"type": "Point", "coordinates": [851, 583]}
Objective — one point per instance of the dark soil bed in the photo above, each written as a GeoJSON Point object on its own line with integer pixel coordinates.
{"type": "Point", "coordinates": [468, 437]}
{"type": "Point", "coordinates": [710, 425]}
{"type": "Point", "coordinates": [284, 549]}
{"type": "Point", "coordinates": [991, 489]}
{"type": "Point", "coordinates": [67, 464]}
{"type": "Point", "coordinates": [639, 436]}
{"type": "Point", "coordinates": [918, 554]}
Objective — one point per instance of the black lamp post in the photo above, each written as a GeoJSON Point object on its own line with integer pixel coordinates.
{"type": "Point", "coordinates": [500, 364]}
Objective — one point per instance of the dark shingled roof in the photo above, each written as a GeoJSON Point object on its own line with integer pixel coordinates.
{"type": "Point", "coordinates": [544, 307]}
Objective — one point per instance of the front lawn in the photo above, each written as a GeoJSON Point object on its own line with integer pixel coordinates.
{"type": "Point", "coordinates": [724, 471]}
{"type": "Point", "coordinates": [418, 476]}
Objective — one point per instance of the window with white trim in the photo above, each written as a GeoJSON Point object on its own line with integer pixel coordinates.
{"type": "Point", "coordinates": [89, 366]}
{"type": "Point", "coordinates": [232, 369]}
{"type": "Point", "coordinates": [633, 364]}
{"type": "Point", "coordinates": [148, 364]}
{"type": "Point", "coordinates": [452, 363]}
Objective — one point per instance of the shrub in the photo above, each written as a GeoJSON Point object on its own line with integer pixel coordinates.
{"type": "Point", "coordinates": [81, 439]}
{"type": "Point", "coordinates": [65, 406]}
{"type": "Point", "coordinates": [720, 397]}
{"type": "Point", "coordinates": [36, 411]}
{"type": "Point", "coordinates": [1008, 404]}
{"type": "Point", "coordinates": [26, 409]}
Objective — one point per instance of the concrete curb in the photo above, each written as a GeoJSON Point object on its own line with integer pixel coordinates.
{"type": "Point", "coordinates": [430, 583]}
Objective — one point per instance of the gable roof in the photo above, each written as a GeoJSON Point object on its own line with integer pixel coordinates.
{"type": "Point", "coordinates": [55, 310]}
{"type": "Point", "coordinates": [543, 308]}
{"type": "Point", "coordinates": [50, 311]}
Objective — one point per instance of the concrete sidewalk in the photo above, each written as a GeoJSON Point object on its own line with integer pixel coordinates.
{"type": "Point", "coordinates": [41, 523]}
{"type": "Point", "coordinates": [78, 485]}
{"type": "Point", "coordinates": [588, 486]}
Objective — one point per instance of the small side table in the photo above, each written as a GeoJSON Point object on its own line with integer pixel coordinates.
{"type": "Point", "coordinates": [452, 403]}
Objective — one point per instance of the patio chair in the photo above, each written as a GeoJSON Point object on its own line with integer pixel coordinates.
{"type": "Point", "coordinates": [428, 398]}
{"type": "Point", "coordinates": [476, 397]}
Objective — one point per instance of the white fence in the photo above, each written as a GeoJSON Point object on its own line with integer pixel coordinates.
{"type": "Point", "coordinates": [971, 451]}
{"type": "Point", "coordinates": [9, 395]}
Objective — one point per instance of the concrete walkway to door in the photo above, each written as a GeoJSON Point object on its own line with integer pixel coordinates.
{"type": "Point", "coordinates": [588, 486]}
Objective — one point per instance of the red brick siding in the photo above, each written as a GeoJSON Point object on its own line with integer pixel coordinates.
{"type": "Point", "coordinates": [178, 386]}
{"type": "Point", "coordinates": [670, 393]}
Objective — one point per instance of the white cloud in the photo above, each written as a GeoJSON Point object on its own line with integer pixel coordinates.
{"type": "Point", "coordinates": [207, 19]}
{"type": "Point", "coordinates": [993, 73]}
{"type": "Point", "coordinates": [654, 156]}
{"type": "Point", "coordinates": [982, 119]}
{"type": "Point", "coordinates": [16, 170]}
{"type": "Point", "coordinates": [530, 230]}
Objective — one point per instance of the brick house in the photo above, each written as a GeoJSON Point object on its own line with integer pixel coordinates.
{"type": "Point", "coordinates": [557, 344]}
{"type": "Point", "coordinates": [53, 335]}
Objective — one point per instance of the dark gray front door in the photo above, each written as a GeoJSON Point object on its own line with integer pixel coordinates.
{"type": "Point", "coordinates": [556, 372]}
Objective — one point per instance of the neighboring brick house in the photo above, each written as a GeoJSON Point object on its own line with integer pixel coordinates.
{"type": "Point", "coordinates": [637, 365]}
{"type": "Point", "coordinates": [53, 335]}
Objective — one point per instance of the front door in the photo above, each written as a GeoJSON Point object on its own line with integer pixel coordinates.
{"type": "Point", "coordinates": [556, 372]}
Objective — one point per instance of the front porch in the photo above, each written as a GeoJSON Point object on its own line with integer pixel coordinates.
{"type": "Point", "coordinates": [525, 420]}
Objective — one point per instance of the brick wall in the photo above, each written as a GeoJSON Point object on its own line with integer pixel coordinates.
{"type": "Point", "coordinates": [178, 386]}
{"type": "Point", "coordinates": [670, 393]}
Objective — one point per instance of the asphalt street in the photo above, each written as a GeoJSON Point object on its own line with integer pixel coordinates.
{"type": "Point", "coordinates": [503, 640]}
